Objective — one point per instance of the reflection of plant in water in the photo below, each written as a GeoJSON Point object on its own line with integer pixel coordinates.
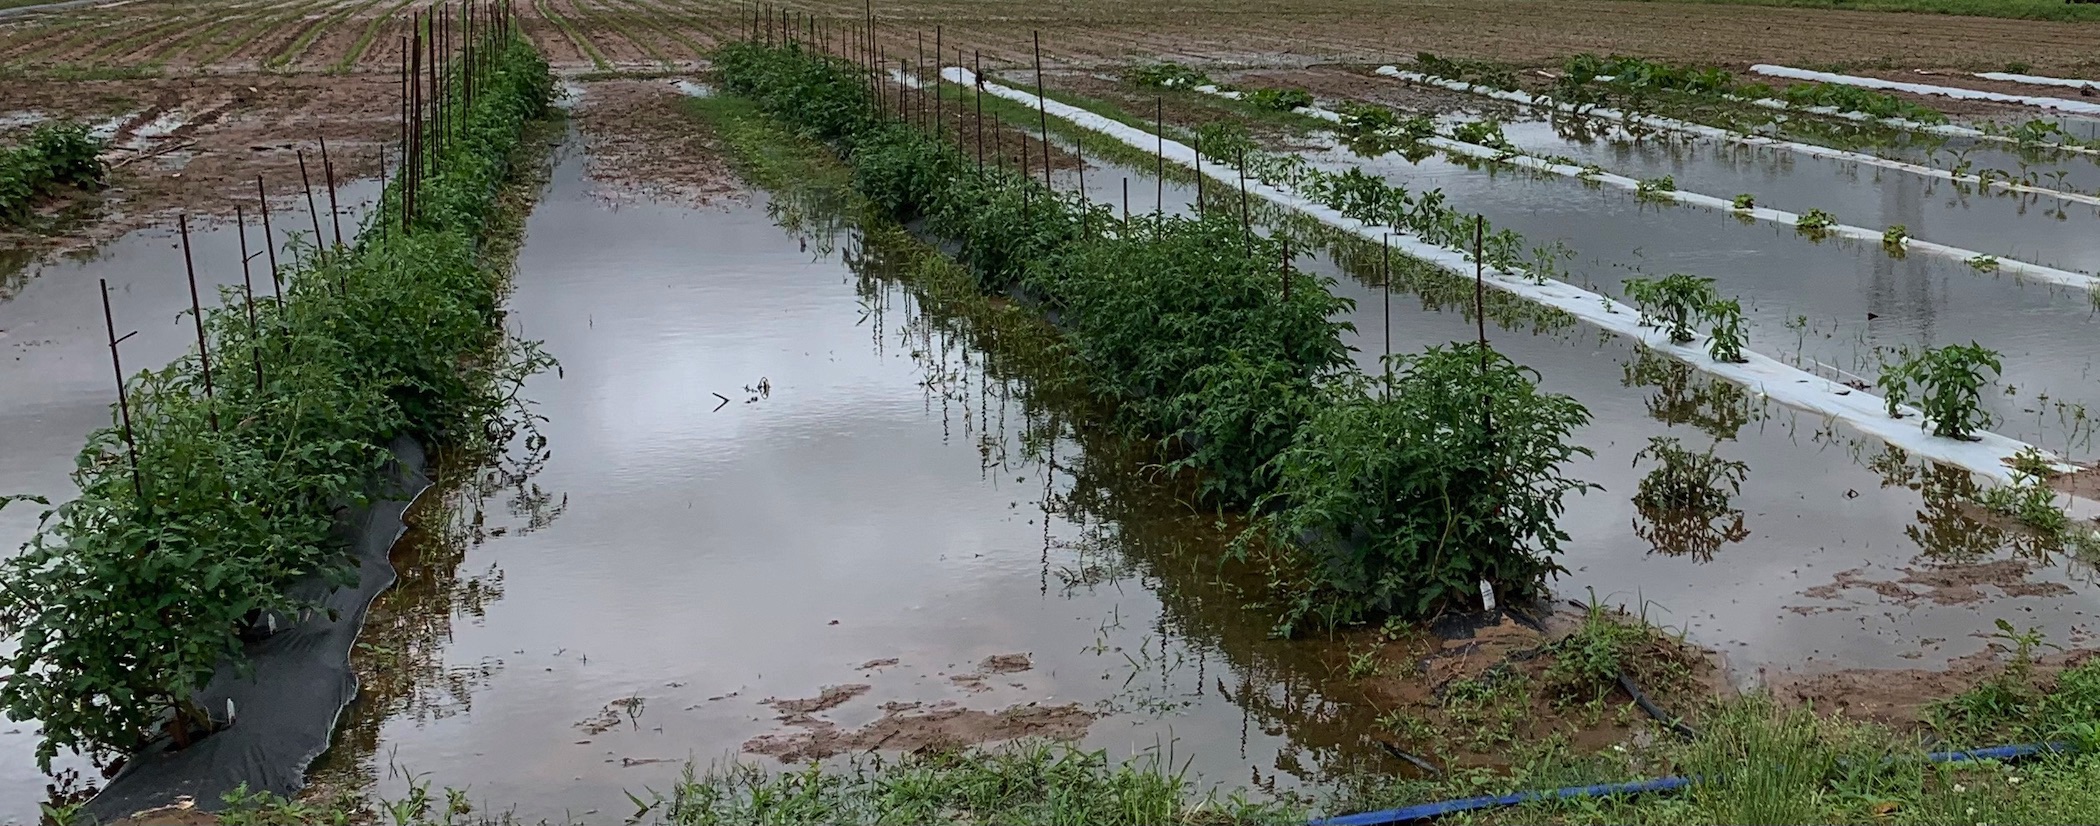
{"type": "Point", "coordinates": [1683, 504]}
{"type": "Point", "coordinates": [1718, 408]}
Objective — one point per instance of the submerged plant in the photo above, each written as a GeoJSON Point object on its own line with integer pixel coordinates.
{"type": "Point", "coordinates": [1948, 383]}
{"type": "Point", "coordinates": [1485, 132]}
{"type": "Point", "coordinates": [1656, 188]}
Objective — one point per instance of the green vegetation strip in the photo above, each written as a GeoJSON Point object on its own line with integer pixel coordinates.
{"type": "Point", "coordinates": [131, 596]}
{"type": "Point", "coordinates": [1387, 496]}
{"type": "Point", "coordinates": [56, 156]}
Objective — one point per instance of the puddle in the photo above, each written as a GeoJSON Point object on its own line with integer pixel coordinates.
{"type": "Point", "coordinates": [54, 362]}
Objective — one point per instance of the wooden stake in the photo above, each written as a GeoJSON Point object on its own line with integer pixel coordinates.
{"type": "Point", "coordinates": [311, 209]}
{"type": "Point", "coordinates": [1042, 108]}
{"type": "Point", "coordinates": [977, 61]}
{"type": "Point", "coordinates": [131, 447]}
{"type": "Point", "coordinates": [270, 244]}
{"type": "Point", "coordinates": [335, 214]}
{"type": "Point", "coordinates": [182, 221]}
{"type": "Point", "coordinates": [248, 291]}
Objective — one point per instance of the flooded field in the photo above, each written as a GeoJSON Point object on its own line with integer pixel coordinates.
{"type": "Point", "coordinates": [807, 487]}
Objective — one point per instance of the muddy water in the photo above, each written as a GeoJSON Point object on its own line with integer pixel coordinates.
{"type": "Point", "coordinates": [864, 495]}
{"type": "Point", "coordinates": [1841, 305]}
{"type": "Point", "coordinates": [58, 386]}
{"type": "Point", "coordinates": [2032, 228]}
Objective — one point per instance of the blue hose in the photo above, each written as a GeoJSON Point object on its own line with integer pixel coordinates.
{"type": "Point", "coordinates": [1425, 811]}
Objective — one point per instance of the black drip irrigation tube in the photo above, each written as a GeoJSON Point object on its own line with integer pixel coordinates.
{"type": "Point", "coordinates": [1427, 811]}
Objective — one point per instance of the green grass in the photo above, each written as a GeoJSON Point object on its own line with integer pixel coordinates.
{"type": "Point", "coordinates": [2016, 9]}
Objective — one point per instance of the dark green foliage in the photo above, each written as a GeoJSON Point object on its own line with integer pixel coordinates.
{"type": "Point", "coordinates": [124, 604]}
{"type": "Point", "coordinates": [1409, 496]}
{"type": "Point", "coordinates": [1854, 99]}
{"type": "Point", "coordinates": [56, 155]}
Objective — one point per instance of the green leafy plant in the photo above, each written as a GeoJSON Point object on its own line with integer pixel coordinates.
{"type": "Point", "coordinates": [1656, 188]}
{"type": "Point", "coordinates": [1279, 100]}
{"type": "Point", "coordinates": [1408, 495]}
{"type": "Point", "coordinates": [56, 155]}
{"type": "Point", "coordinates": [1894, 237]}
{"type": "Point", "coordinates": [1983, 263]}
{"type": "Point", "coordinates": [1486, 132]}
{"type": "Point", "coordinates": [1168, 76]}
{"type": "Point", "coordinates": [1674, 302]}
{"type": "Point", "coordinates": [1745, 201]}
{"type": "Point", "coordinates": [1725, 339]}
{"type": "Point", "coordinates": [1814, 221]}
{"type": "Point", "coordinates": [133, 595]}
{"type": "Point", "coordinates": [1947, 384]}
{"type": "Point", "coordinates": [1467, 70]}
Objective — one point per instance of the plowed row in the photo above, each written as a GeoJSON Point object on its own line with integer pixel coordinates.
{"type": "Point", "coordinates": [363, 35]}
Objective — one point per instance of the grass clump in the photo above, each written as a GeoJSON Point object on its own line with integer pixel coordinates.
{"type": "Point", "coordinates": [132, 596]}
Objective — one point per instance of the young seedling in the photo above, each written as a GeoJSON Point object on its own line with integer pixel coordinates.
{"type": "Point", "coordinates": [1894, 238]}
{"type": "Point", "coordinates": [1745, 201]}
{"type": "Point", "coordinates": [1656, 188]}
{"type": "Point", "coordinates": [1984, 263]}
{"type": "Point", "coordinates": [1726, 338]}
{"type": "Point", "coordinates": [1674, 302]}
{"type": "Point", "coordinates": [1949, 385]}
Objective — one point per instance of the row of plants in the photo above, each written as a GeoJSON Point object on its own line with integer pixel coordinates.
{"type": "Point", "coordinates": [1391, 495]}
{"type": "Point", "coordinates": [1580, 82]}
{"type": "Point", "coordinates": [55, 156]}
{"type": "Point", "coordinates": [218, 487]}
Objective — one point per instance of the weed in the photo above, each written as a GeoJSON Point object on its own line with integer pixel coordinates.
{"type": "Point", "coordinates": [1363, 664]}
{"type": "Point", "coordinates": [1949, 381]}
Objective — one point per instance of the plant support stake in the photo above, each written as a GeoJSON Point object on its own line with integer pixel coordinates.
{"type": "Point", "coordinates": [131, 447]}
{"type": "Point", "coordinates": [211, 407]}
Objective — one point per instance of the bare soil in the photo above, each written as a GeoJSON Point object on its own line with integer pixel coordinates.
{"type": "Point", "coordinates": [644, 147]}
{"type": "Point", "coordinates": [1957, 584]}
{"type": "Point", "coordinates": [1902, 698]}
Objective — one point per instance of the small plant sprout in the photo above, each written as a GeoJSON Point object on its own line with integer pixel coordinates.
{"type": "Point", "coordinates": [1590, 170]}
{"type": "Point", "coordinates": [1656, 188]}
{"type": "Point", "coordinates": [1363, 664]}
{"type": "Point", "coordinates": [1984, 263]}
{"type": "Point", "coordinates": [1949, 385]}
{"type": "Point", "coordinates": [1815, 221]}
{"type": "Point", "coordinates": [1726, 338]}
{"type": "Point", "coordinates": [1895, 237]}
{"type": "Point", "coordinates": [1674, 302]}
{"type": "Point", "coordinates": [1483, 132]}
{"type": "Point", "coordinates": [1745, 201]}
